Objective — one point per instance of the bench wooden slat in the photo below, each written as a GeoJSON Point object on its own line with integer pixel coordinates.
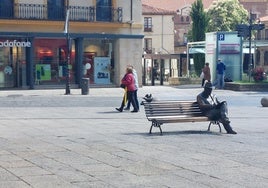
{"type": "Point", "coordinates": [176, 114]}
{"type": "Point", "coordinates": [160, 112]}
{"type": "Point", "coordinates": [164, 112]}
{"type": "Point", "coordinates": [172, 110]}
{"type": "Point", "coordinates": [172, 119]}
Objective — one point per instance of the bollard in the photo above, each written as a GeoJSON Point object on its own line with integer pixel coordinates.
{"type": "Point", "coordinates": [85, 86]}
{"type": "Point", "coordinates": [264, 101]}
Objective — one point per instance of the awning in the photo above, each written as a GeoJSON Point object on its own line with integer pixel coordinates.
{"type": "Point", "coordinates": [203, 51]}
{"type": "Point", "coordinates": [197, 50]}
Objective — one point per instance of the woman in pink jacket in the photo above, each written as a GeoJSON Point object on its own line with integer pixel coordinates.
{"type": "Point", "coordinates": [129, 81]}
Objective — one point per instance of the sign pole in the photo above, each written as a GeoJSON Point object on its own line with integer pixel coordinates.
{"type": "Point", "coordinates": [245, 30]}
{"type": "Point", "coordinates": [68, 44]}
{"type": "Point", "coordinates": [249, 40]}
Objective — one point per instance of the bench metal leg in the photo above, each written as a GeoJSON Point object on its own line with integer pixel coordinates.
{"type": "Point", "coordinates": [155, 124]}
{"type": "Point", "coordinates": [214, 123]}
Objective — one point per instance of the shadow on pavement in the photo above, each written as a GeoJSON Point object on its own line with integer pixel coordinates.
{"type": "Point", "coordinates": [188, 132]}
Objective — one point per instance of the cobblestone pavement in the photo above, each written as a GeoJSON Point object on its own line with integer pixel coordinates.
{"type": "Point", "coordinates": [52, 140]}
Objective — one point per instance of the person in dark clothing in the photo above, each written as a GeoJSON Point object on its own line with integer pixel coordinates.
{"type": "Point", "coordinates": [213, 109]}
{"type": "Point", "coordinates": [220, 74]}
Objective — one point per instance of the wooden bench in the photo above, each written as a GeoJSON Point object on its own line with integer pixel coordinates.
{"type": "Point", "coordinates": [160, 112]}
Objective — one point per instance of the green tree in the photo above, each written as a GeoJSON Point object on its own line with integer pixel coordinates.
{"type": "Point", "coordinates": [225, 15]}
{"type": "Point", "coordinates": [198, 33]}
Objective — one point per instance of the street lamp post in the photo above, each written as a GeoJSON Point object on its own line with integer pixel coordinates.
{"type": "Point", "coordinates": [250, 65]}
{"type": "Point", "coordinates": [69, 45]}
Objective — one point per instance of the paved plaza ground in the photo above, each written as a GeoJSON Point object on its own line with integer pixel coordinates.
{"type": "Point", "coordinates": [52, 140]}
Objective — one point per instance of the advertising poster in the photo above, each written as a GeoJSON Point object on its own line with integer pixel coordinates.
{"type": "Point", "coordinates": [63, 70]}
{"type": "Point", "coordinates": [229, 49]}
{"type": "Point", "coordinates": [43, 72]}
{"type": "Point", "coordinates": [226, 46]}
{"type": "Point", "coordinates": [102, 70]}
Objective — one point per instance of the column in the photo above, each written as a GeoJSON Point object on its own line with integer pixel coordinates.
{"type": "Point", "coordinates": [30, 68]}
{"type": "Point", "coordinates": [79, 60]}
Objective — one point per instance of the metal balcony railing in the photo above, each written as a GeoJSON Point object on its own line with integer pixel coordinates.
{"type": "Point", "coordinates": [77, 13]}
{"type": "Point", "coordinates": [30, 11]}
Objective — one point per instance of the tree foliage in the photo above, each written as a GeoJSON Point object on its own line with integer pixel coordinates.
{"type": "Point", "coordinates": [225, 15]}
{"type": "Point", "coordinates": [200, 21]}
{"type": "Point", "coordinates": [198, 32]}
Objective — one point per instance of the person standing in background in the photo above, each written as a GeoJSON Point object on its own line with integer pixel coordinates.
{"type": "Point", "coordinates": [220, 74]}
{"type": "Point", "coordinates": [206, 72]}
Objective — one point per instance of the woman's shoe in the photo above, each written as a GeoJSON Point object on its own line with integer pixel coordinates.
{"type": "Point", "coordinates": [133, 111]}
{"type": "Point", "coordinates": [119, 109]}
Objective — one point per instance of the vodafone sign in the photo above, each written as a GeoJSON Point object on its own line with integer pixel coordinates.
{"type": "Point", "coordinates": [15, 43]}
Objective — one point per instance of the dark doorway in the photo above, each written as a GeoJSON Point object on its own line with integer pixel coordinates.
{"type": "Point", "coordinates": [104, 10]}
{"type": "Point", "coordinates": [6, 8]}
{"type": "Point", "coordinates": [246, 63]}
{"type": "Point", "coordinates": [56, 9]}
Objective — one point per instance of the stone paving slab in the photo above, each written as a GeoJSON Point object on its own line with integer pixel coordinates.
{"type": "Point", "coordinates": [49, 139]}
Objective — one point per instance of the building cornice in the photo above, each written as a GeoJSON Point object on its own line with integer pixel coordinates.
{"type": "Point", "coordinates": [58, 26]}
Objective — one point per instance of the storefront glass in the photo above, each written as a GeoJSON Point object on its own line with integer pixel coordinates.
{"type": "Point", "coordinates": [98, 61]}
{"type": "Point", "coordinates": [51, 61]}
{"type": "Point", "coordinates": [12, 62]}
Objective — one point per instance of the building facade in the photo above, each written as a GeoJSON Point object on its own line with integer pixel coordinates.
{"type": "Point", "coordinates": [47, 42]}
{"type": "Point", "coordinates": [259, 11]}
{"type": "Point", "coordinates": [174, 17]}
{"type": "Point", "coordinates": [158, 44]}
{"type": "Point", "coordinates": [182, 25]}
{"type": "Point", "coordinates": [258, 7]}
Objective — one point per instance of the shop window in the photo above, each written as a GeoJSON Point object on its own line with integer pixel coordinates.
{"type": "Point", "coordinates": [98, 61]}
{"type": "Point", "coordinates": [51, 61]}
{"type": "Point", "coordinates": [104, 10]}
{"type": "Point", "coordinates": [88, 63]}
{"type": "Point", "coordinates": [6, 8]}
{"type": "Point", "coordinates": [12, 65]}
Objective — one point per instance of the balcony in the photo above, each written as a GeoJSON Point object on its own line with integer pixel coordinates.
{"type": "Point", "coordinates": [77, 13]}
